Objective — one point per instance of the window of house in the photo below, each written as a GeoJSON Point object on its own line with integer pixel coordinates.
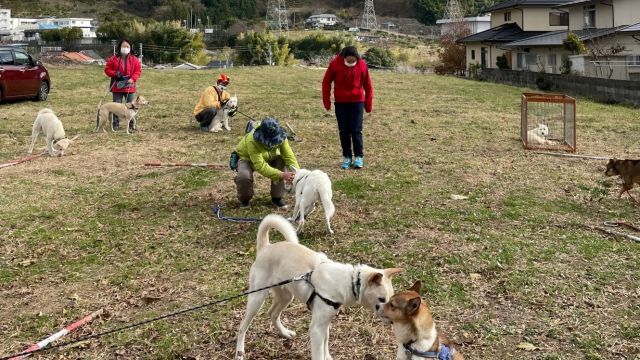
{"type": "Point", "coordinates": [558, 19]}
{"type": "Point", "coordinates": [590, 16]}
{"type": "Point", "coordinates": [633, 60]}
{"type": "Point", "coordinates": [473, 54]}
{"type": "Point", "coordinates": [521, 60]}
{"type": "Point", "coordinates": [551, 60]}
{"type": "Point", "coordinates": [507, 16]}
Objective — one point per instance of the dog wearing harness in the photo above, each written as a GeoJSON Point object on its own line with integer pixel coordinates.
{"type": "Point", "coordinates": [329, 285]}
{"type": "Point", "coordinates": [414, 328]}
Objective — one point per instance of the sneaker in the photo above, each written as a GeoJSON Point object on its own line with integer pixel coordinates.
{"type": "Point", "coordinates": [358, 163]}
{"type": "Point", "coordinates": [277, 202]}
{"type": "Point", "coordinates": [346, 163]}
{"type": "Point", "coordinates": [245, 204]}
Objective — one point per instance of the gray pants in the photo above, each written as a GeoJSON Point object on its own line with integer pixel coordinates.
{"type": "Point", "coordinates": [244, 180]}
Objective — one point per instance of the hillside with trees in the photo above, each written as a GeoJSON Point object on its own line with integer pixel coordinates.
{"type": "Point", "coordinates": [228, 12]}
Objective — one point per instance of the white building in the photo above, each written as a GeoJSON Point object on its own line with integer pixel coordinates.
{"type": "Point", "coordinates": [14, 28]}
{"type": "Point", "coordinates": [5, 22]}
{"type": "Point", "coordinates": [476, 24]}
{"type": "Point", "coordinates": [88, 30]}
{"type": "Point", "coordinates": [321, 20]}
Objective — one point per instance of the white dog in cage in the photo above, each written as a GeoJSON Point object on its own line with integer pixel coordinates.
{"type": "Point", "coordinates": [538, 135]}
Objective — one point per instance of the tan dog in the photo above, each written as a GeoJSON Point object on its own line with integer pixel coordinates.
{"type": "Point", "coordinates": [327, 286]}
{"type": "Point", "coordinates": [414, 328]}
{"type": "Point", "coordinates": [48, 123]}
{"type": "Point", "coordinates": [629, 172]}
{"type": "Point", "coordinates": [125, 111]}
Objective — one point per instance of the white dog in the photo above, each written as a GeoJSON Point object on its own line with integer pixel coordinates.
{"type": "Point", "coordinates": [538, 135]}
{"type": "Point", "coordinates": [327, 285]}
{"type": "Point", "coordinates": [48, 123]}
{"type": "Point", "coordinates": [310, 186]}
{"type": "Point", "coordinates": [222, 117]}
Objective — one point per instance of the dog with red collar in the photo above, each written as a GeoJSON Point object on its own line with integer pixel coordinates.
{"type": "Point", "coordinates": [414, 328]}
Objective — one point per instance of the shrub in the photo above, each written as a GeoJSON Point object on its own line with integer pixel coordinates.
{"type": "Point", "coordinates": [543, 83]}
{"type": "Point", "coordinates": [377, 57]}
{"type": "Point", "coordinates": [319, 45]}
{"type": "Point", "coordinates": [565, 67]}
{"type": "Point", "coordinates": [502, 62]}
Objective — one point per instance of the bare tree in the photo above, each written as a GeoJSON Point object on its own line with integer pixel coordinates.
{"type": "Point", "coordinates": [602, 49]}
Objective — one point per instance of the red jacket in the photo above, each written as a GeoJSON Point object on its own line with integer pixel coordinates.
{"type": "Point", "coordinates": [132, 70]}
{"type": "Point", "coordinates": [351, 84]}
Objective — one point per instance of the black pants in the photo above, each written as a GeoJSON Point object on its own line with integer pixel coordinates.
{"type": "Point", "coordinates": [118, 97]}
{"type": "Point", "coordinates": [349, 117]}
{"type": "Point", "coordinates": [205, 117]}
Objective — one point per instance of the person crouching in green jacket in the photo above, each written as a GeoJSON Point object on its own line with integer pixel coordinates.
{"type": "Point", "coordinates": [265, 150]}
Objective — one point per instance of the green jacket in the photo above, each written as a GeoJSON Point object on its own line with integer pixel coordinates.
{"type": "Point", "coordinates": [259, 155]}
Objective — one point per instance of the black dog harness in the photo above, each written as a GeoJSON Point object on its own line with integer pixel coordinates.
{"type": "Point", "coordinates": [355, 290]}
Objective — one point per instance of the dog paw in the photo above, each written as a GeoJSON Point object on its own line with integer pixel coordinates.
{"type": "Point", "coordinates": [239, 355]}
{"type": "Point", "coordinates": [289, 334]}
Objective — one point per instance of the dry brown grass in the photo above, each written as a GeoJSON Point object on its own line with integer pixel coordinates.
{"type": "Point", "coordinates": [512, 264]}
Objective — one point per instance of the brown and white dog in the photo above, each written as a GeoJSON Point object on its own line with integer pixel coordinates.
{"type": "Point", "coordinates": [414, 328]}
{"type": "Point", "coordinates": [126, 112]}
{"type": "Point", "coordinates": [629, 172]}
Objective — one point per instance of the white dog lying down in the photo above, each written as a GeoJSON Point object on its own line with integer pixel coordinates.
{"type": "Point", "coordinates": [538, 136]}
{"type": "Point", "coordinates": [328, 286]}
{"type": "Point", "coordinates": [48, 123]}
{"type": "Point", "coordinates": [222, 117]}
{"type": "Point", "coordinates": [310, 186]}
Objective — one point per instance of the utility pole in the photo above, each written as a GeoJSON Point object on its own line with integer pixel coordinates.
{"type": "Point", "coordinates": [141, 53]}
{"type": "Point", "coordinates": [270, 53]}
{"type": "Point", "coordinates": [114, 46]}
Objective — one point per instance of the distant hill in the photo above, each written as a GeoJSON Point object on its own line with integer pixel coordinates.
{"type": "Point", "coordinates": [220, 11]}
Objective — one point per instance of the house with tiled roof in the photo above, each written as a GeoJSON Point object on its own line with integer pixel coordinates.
{"type": "Point", "coordinates": [512, 20]}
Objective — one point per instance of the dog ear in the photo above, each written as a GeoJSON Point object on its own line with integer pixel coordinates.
{"type": "Point", "coordinates": [392, 271]}
{"type": "Point", "coordinates": [416, 286]}
{"type": "Point", "coordinates": [376, 278]}
{"type": "Point", "coordinates": [413, 305]}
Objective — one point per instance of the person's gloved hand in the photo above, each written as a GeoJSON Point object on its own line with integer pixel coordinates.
{"type": "Point", "coordinates": [118, 76]}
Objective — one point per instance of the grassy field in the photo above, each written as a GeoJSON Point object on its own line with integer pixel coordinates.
{"type": "Point", "coordinates": [512, 265]}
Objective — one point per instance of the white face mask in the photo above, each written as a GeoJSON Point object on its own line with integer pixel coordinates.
{"type": "Point", "coordinates": [347, 64]}
{"type": "Point", "coordinates": [221, 87]}
{"type": "Point", "coordinates": [124, 50]}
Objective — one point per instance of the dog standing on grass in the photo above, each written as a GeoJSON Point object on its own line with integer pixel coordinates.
{"type": "Point", "coordinates": [125, 111]}
{"type": "Point", "coordinates": [629, 172]}
{"type": "Point", "coordinates": [414, 328]}
{"type": "Point", "coordinates": [309, 187]}
{"type": "Point", "coordinates": [48, 124]}
{"type": "Point", "coordinates": [328, 285]}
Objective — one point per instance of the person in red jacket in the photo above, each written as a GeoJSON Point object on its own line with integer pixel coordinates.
{"type": "Point", "coordinates": [124, 70]}
{"type": "Point", "coordinates": [352, 93]}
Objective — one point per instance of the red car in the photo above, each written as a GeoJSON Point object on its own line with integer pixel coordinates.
{"type": "Point", "coordinates": [21, 76]}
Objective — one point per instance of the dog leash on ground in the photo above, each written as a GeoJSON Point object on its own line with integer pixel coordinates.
{"type": "Point", "coordinates": [588, 157]}
{"type": "Point", "coordinates": [158, 318]}
{"type": "Point", "coordinates": [22, 160]}
{"type": "Point", "coordinates": [196, 165]}
{"type": "Point", "coordinates": [618, 224]}
{"type": "Point", "coordinates": [217, 210]}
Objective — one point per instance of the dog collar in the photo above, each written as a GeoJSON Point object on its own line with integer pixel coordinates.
{"type": "Point", "coordinates": [133, 107]}
{"type": "Point", "coordinates": [293, 186]}
{"type": "Point", "coordinates": [443, 353]}
{"type": "Point", "coordinates": [56, 140]}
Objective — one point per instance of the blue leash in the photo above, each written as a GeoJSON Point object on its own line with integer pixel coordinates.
{"type": "Point", "coordinates": [217, 210]}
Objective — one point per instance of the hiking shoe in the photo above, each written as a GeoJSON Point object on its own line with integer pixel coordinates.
{"type": "Point", "coordinates": [277, 202]}
{"type": "Point", "coordinates": [244, 204]}
{"type": "Point", "coordinates": [358, 163]}
{"type": "Point", "coordinates": [345, 164]}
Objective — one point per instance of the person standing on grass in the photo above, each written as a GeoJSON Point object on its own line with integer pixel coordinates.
{"type": "Point", "coordinates": [124, 70]}
{"type": "Point", "coordinates": [211, 101]}
{"type": "Point", "coordinates": [266, 150]}
{"type": "Point", "coordinates": [353, 94]}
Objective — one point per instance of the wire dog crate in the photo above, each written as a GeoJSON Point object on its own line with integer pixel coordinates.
{"type": "Point", "coordinates": [548, 121]}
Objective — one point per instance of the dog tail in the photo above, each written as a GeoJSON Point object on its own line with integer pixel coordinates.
{"type": "Point", "coordinates": [278, 223]}
{"type": "Point", "coordinates": [325, 196]}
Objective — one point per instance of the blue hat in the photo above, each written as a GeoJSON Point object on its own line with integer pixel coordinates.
{"type": "Point", "coordinates": [270, 133]}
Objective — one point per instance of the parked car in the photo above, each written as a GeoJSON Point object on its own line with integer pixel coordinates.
{"type": "Point", "coordinates": [21, 76]}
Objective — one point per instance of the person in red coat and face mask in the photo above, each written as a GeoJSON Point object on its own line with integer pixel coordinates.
{"type": "Point", "coordinates": [353, 94]}
{"type": "Point", "coordinates": [124, 70]}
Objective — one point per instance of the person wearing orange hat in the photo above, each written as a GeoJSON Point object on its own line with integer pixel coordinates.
{"type": "Point", "coordinates": [212, 99]}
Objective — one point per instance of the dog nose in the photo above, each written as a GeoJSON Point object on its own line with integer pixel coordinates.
{"type": "Point", "coordinates": [377, 307]}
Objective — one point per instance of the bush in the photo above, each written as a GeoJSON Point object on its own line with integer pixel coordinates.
{"type": "Point", "coordinates": [377, 57]}
{"type": "Point", "coordinates": [64, 34]}
{"type": "Point", "coordinates": [543, 83]}
{"type": "Point", "coordinates": [262, 47]}
{"type": "Point", "coordinates": [502, 62]}
{"type": "Point", "coordinates": [574, 44]}
{"type": "Point", "coordinates": [319, 45]}
{"type": "Point", "coordinates": [565, 67]}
